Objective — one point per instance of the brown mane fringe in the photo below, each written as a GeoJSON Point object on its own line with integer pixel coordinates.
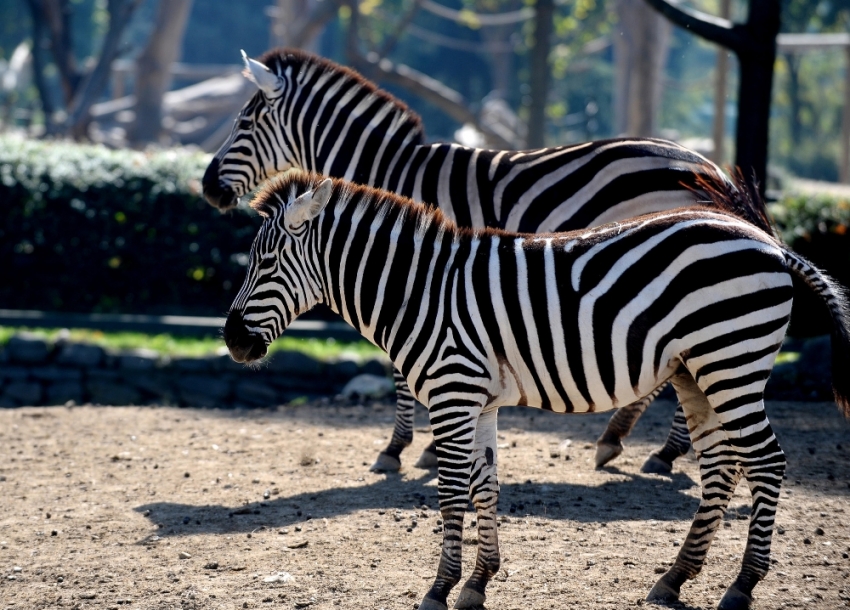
{"type": "Point", "coordinates": [735, 197]}
{"type": "Point", "coordinates": [278, 189]}
{"type": "Point", "coordinates": [278, 59]}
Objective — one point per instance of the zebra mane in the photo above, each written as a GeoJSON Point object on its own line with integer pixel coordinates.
{"type": "Point", "coordinates": [278, 60]}
{"type": "Point", "coordinates": [280, 190]}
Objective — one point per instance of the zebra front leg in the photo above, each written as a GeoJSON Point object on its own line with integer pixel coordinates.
{"type": "Point", "coordinates": [389, 460]}
{"type": "Point", "coordinates": [610, 444]}
{"type": "Point", "coordinates": [719, 475]}
{"type": "Point", "coordinates": [484, 491]}
{"type": "Point", "coordinates": [454, 430]}
{"type": "Point", "coordinates": [678, 443]}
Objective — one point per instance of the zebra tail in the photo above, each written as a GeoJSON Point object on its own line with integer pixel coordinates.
{"type": "Point", "coordinates": [734, 197]}
{"type": "Point", "coordinates": [836, 300]}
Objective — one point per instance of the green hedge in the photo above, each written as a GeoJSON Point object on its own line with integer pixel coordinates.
{"type": "Point", "coordinates": [85, 228]}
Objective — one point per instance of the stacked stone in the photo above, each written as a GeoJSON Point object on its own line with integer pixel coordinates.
{"type": "Point", "coordinates": [36, 372]}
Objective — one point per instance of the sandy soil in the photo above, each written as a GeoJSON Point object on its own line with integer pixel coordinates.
{"type": "Point", "coordinates": [169, 508]}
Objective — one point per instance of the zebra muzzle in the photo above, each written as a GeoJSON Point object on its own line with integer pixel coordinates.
{"type": "Point", "coordinates": [243, 346]}
{"type": "Point", "coordinates": [218, 196]}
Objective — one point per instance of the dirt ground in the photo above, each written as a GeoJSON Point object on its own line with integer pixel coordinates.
{"type": "Point", "coordinates": [128, 507]}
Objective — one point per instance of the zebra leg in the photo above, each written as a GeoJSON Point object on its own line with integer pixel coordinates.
{"type": "Point", "coordinates": [454, 429]}
{"type": "Point", "coordinates": [732, 437]}
{"type": "Point", "coordinates": [390, 458]}
{"type": "Point", "coordinates": [484, 491]}
{"type": "Point", "coordinates": [678, 443]}
{"type": "Point", "coordinates": [610, 444]}
{"type": "Point", "coordinates": [763, 468]}
{"type": "Point", "coordinates": [719, 474]}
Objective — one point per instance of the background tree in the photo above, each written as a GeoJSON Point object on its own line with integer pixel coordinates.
{"type": "Point", "coordinates": [153, 68]}
{"type": "Point", "coordinates": [754, 44]}
{"type": "Point", "coordinates": [640, 49]}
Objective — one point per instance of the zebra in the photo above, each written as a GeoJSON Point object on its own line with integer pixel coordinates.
{"type": "Point", "coordinates": [568, 322]}
{"type": "Point", "coordinates": [312, 114]}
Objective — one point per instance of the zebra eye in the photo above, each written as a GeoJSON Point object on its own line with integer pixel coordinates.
{"type": "Point", "coordinates": [245, 124]}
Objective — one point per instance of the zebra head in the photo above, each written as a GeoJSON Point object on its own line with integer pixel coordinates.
{"type": "Point", "coordinates": [256, 149]}
{"type": "Point", "coordinates": [281, 283]}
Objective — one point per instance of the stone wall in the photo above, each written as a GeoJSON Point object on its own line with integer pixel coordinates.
{"type": "Point", "coordinates": [37, 372]}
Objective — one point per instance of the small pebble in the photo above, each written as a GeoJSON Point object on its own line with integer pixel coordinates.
{"type": "Point", "coordinates": [54, 533]}
{"type": "Point", "coordinates": [212, 565]}
{"type": "Point", "coordinates": [807, 541]}
{"type": "Point", "coordinates": [819, 531]}
{"type": "Point", "coordinates": [186, 475]}
{"type": "Point", "coordinates": [184, 555]}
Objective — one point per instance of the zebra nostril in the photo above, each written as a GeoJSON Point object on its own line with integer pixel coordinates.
{"type": "Point", "coordinates": [243, 346]}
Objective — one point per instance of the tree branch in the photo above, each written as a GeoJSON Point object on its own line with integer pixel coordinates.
{"type": "Point", "coordinates": [433, 91]}
{"type": "Point", "coordinates": [714, 29]}
{"type": "Point", "coordinates": [401, 26]}
{"type": "Point", "coordinates": [120, 12]}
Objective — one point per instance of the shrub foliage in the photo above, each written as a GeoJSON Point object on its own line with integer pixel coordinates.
{"type": "Point", "coordinates": [85, 228]}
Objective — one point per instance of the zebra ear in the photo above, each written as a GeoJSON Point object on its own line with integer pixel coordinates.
{"type": "Point", "coordinates": [309, 205]}
{"type": "Point", "coordinates": [260, 75]}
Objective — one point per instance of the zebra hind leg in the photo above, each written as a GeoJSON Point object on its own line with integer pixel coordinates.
{"type": "Point", "coordinates": [389, 460]}
{"type": "Point", "coordinates": [719, 473]}
{"type": "Point", "coordinates": [484, 491]}
{"type": "Point", "coordinates": [729, 442]}
{"type": "Point", "coordinates": [678, 443]}
{"type": "Point", "coordinates": [454, 426]}
{"type": "Point", "coordinates": [610, 444]}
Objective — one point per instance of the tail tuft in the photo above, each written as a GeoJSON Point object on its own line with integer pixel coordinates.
{"type": "Point", "coordinates": [839, 308]}
{"type": "Point", "coordinates": [735, 197]}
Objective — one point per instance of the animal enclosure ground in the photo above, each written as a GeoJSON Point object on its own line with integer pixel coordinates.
{"type": "Point", "coordinates": [176, 508]}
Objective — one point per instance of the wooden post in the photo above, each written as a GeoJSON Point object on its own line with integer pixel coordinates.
{"type": "Point", "coordinates": [844, 170]}
{"type": "Point", "coordinates": [719, 131]}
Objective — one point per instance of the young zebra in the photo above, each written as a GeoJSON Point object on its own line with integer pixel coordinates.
{"type": "Point", "coordinates": [571, 322]}
{"type": "Point", "coordinates": [313, 114]}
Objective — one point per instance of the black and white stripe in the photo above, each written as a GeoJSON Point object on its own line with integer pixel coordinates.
{"type": "Point", "coordinates": [312, 114]}
{"type": "Point", "coordinates": [573, 322]}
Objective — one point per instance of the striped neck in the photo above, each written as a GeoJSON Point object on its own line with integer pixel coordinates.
{"type": "Point", "coordinates": [367, 247]}
{"type": "Point", "coordinates": [337, 123]}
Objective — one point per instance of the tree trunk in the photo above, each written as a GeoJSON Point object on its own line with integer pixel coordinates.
{"type": "Point", "coordinates": [754, 42]}
{"type": "Point", "coordinates": [793, 63]}
{"type": "Point", "coordinates": [755, 92]}
{"type": "Point", "coordinates": [541, 73]}
{"type": "Point", "coordinates": [120, 12]}
{"type": "Point", "coordinates": [641, 44]}
{"type": "Point", "coordinates": [719, 127]}
{"type": "Point", "coordinates": [39, 44]}
{"type": "Point", "coordinates": [153, 76]}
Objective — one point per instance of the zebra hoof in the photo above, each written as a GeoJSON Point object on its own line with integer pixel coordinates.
{"type": "Point", "coordinates": [427, 460]}
{"type": "Point", "coordinates": [606, 452]}
{"type": "Point", "coordinates": [469, 598]}
{"type": "Point", "coordinates": [386, 463]}
{"type": "Point", "coordinates": [662, 593]}
{"type": "Point", "coordinates": [432, 604]}
{"type": "Point", "coordinates": [655, 465]}
{"type": "Point", "coordinates": [734, 599]}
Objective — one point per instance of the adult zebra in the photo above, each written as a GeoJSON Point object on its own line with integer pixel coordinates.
{"type": "Point", "coordinates": [313, 114]}
{"type": "Point", "coordinates": [572, 322]}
